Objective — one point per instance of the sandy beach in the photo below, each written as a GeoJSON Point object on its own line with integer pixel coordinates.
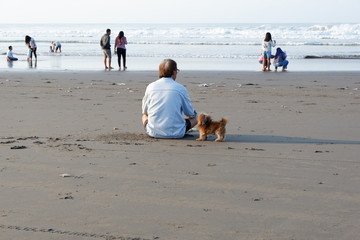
{"type": "Point", "coordinates": [75, 162]}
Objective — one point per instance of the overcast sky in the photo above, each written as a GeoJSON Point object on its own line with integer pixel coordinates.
{"type": "Point", "coordinates": [180, 11]}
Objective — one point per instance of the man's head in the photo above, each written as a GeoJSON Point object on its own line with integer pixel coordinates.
{"type": "Point", "coordinates": [10, 48]}
{"type": "Point", "coordinates": [168, 68]}
{"type": "Point", "coordinates": [108, 31]}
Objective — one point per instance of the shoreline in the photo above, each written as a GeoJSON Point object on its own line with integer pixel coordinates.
{"type": "Point", "coordinates": [76, 163]}
{"type": "Point", "coordinates": [79, 63]}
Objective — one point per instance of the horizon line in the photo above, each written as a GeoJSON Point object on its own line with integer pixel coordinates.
{"type": "Point", "coordinates": [29, 23]}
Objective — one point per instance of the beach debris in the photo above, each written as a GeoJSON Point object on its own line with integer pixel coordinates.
{"type": "Point", "coordinates": [257, 199]}
{"type": "Point", "coordinates": [18, 147]}
{"type": "Point", "coordinates": [54, 139]}
{"type": "Point", "coordinates": [67, 196]}
{"type": "Point", "coordinates": [255, 149]}
{"type": "Point", "coordinates": [115, 128]}
{"type": "Point", "coordinates": [191, 145]}
{"type": "Point", "coordinates": [65, 175]}
{"type": "Point", "coordinates": [251, 84]}
{"type": "Point", "coordinates": [203, 85]}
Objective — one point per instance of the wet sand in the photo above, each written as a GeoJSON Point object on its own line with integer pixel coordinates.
{"type": "Point", "coordinates": [76, 164]}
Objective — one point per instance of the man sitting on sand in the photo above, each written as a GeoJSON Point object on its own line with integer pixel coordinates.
{"type": "Point", "coordinates": [9, 56]}
{"type": "Point", "coordinates": [165, 103]}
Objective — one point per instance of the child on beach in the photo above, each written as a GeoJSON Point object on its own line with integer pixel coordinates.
{"type": "Point", "coordinates": [52, 47]}
{"type": "Point", "coordinates": [9, 56]}
{"type": "Point", "coordinates": [29, 55]}
{"type": "Point", "coordinates": [266, 47]}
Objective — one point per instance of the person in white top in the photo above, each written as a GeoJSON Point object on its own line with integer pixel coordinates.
{"type": "Point", "coordinates": [166, 106]}
{"type": "Point", "coordinates": [32, 45]}
{"type": "Point", "coordinates": [266, 47]}
{"type": "Point", "coordinates": [9, 56]}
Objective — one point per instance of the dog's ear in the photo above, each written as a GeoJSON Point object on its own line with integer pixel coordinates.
{"type": "Point", "coordinates": [202, 119]}
{"type": "Point", "coordinates": [207, 119]}
{"type": "Point", "coordinates": [199, 118]}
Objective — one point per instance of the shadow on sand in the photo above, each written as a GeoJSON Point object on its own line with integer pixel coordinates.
{"type": "Point", "coordinates": [273, 139]}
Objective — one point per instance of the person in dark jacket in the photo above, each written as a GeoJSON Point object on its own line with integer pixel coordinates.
{"type": "Point", "coordinates": [106, 48]}
{"type": "Point", "coordinates": [280, 60]}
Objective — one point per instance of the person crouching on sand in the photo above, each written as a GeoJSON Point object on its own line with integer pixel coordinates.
{"type": "Point", "coordinates": [280, 60]}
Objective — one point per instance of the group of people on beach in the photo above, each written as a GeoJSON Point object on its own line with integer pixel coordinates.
{"type": "Point", "coordinates": [167, 111]}
{"type": "Point", "coordinates": [32, 47]}
{"type": "Point", "coordinates": [119, 49]}
{"type": "Point", "coordinates": [55, 46]}
{"type": "Point", "coordinates": [266, 55]}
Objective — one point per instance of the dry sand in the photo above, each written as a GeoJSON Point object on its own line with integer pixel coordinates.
{"type": "Point", "coordinates": [75, 163]}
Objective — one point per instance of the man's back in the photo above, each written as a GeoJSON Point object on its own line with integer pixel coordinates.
{"type": "Point", "coordinates": [165, 102]}
{"type": "Point", "coordinates": [105, 41]}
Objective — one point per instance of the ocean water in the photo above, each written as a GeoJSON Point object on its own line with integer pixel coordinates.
{"type": "Point", "coordinates": [324, 47]}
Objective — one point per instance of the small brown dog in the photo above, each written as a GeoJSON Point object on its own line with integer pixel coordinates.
{"type": "Point", "coordinates": [207, 126]}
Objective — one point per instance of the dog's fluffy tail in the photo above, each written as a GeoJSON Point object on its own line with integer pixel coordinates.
{"type": "Point", "coordinates": [224, 121]}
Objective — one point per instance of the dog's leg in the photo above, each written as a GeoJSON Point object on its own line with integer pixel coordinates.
{"type": "Point", "coordinates": [220, 136]}
{"type": "Point", "coordinates": [202, 137]}
{"type": "Point", "coordinates": [219, 139]}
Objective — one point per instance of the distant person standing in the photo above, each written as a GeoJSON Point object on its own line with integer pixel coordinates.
{"type": "Point", "coordinates": [32, 45]}
{"type": "Point", "coordinates": [106, 47]}
{"type": "Point", "coordinates": [266, 47]}
{"type": "Point", "coordinates": [9, 56]}
{"type": "Point", "coordinates": [120, 49]}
